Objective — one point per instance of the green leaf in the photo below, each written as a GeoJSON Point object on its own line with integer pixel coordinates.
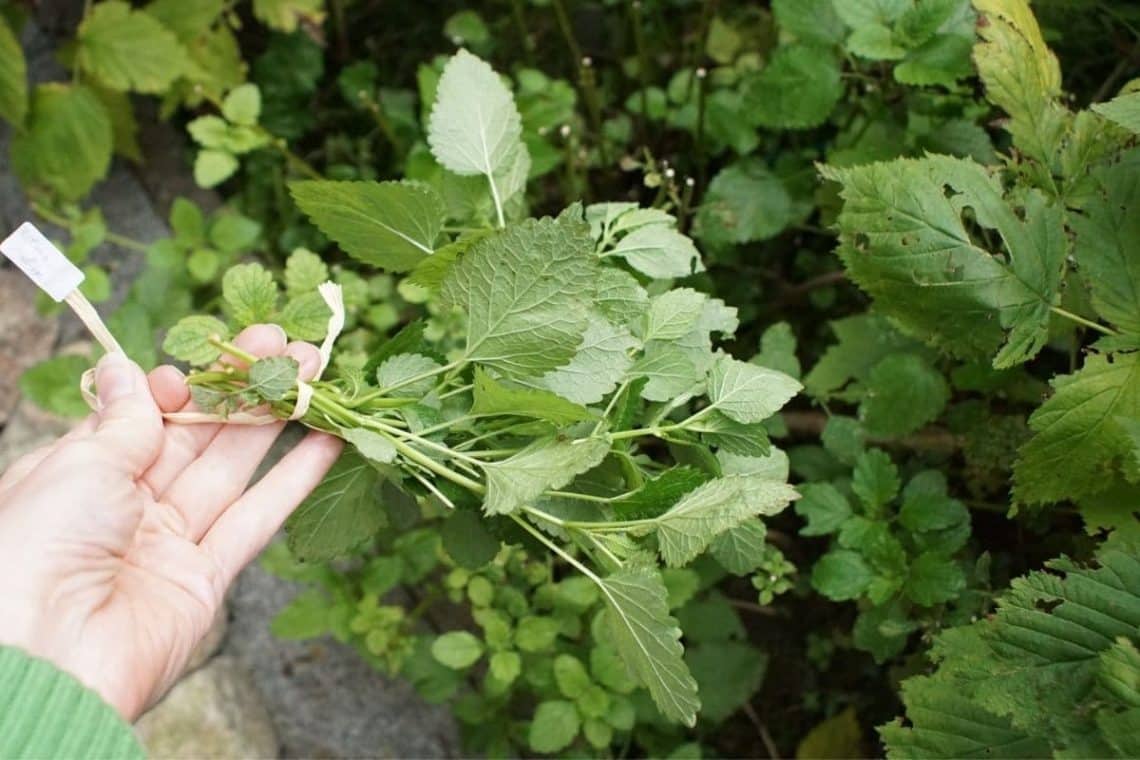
{"type": "Point", "coordinates": [1108, 232]}
{"type": "Point", "coordinates": [67, 142]}
{"type": "Point", "coordinates": [658, 494]}
{"type": "Point", "coordinates": [524, 291]}
{"type": "Point", "coordinates": [13, 77]}
{"type": "Point", "coordinates": [934, 579]}
{"type": "Point", "coordinates": [536, 633]}
{"type": "Point", "coordinates": [304, 272]}
{"type": "Point", "coordinates": [127, 49]}
{"type": "Point", "coordinates": [844, 438]}
{"type": "Point", "coordinates": [875, 480]}
{"type": "Point", "coordinates": [670, 370]}
{"type": "Point", "coordinates": [250, 294]}
{"type": "Point", "coordinates": [554, 726]}
{"type": "Point", "coordinates": [305, 617]}
{"type": "Point", "coordinates": [233, 233]}
{"type": "Point", "coordinates": [797, 89]}
{"type": "Point", "coordinates": [305, 317]}
{"type": "Point", "coordinates": [745, 202]}
{"type": "Point", "coordinates": [506, 666]}
{"type": "Point", "coordinates": [728, 673]}
{"type": "Point", "coordinates": [824, 508]}
{"type": "Point", "coordinates": [344, 511]}
{"type": "Point", "coordinates": [457, 649]}
{"type": "Point", "coordinates": [188, 340]}
{"type": "Point", "coordinates": [287, 15]}
{"type": "Point", "coordinates": [467, 540]}
{"type": "Point", "coordinates": [602, 360]}
{"type": "Point", "coordinates": [213, 167]}
{"type": "Point", "coordinates": [474, 127]}
{"type": "Point", "coordinates": [904, 241]}
{"type": "Point", "coordinates": [648, 640]}
{"type": "Point", "coordinates": [1124, 110]}
{"type": "Point", "coordinates": [398, 370]}
{"type": "Point", "coordinates": [273, 377]}
{"type": "Point", "coordinates": [673, 314]}
{"type": "Point", "coordinates": [813, 21]}
{"type": "Point", "coordinates": [391, 225]}
{"type": "Point", "coordinates": [187, 222]}
{"type": "Point", "coordinates": [546, 464]}
{"type": "Point", "coordinates": [726, 434]}
{"type": "Point", "coordinates": [494, 398]}
{"type": "Point", "coordinates": [838, 736]}
{"type": "Point", "coordinates": [187, 20]}
{"type": "Point", "coordinates": [53, 385]}
{"type": "Point", "coordinates": [371, 445]}
{"type": "Point", "coordinates": [741, 550]}
{"type": "Point", "coordinates": [1077, 437]}
{"type": "Point", "coordinates": [861, 13]}
{"type": "Point", "coordinates": [571, 675]}
{"type": "Point", "coordinates": [1021, 75]}
{"type": "Point", "coordinates": [864, 341]}
{"type": "Point", "coordinates": [841, 574]}
{"type": "Point", "coordinates": [687, 528]}
{"type": "Point", "coordinates": [747, 393]}
{"type": "Point", "coordinates": [659, 251]}
{"type": "Point", "coordinates": [242, 105]}
{"type": "Point", "coordinates": [903, 393]}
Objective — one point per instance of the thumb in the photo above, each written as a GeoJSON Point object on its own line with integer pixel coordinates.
{"type": "Point", "coordinates": [130, 423]}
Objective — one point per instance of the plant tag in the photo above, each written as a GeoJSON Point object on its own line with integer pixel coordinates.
{"type": "Point", "coordinates": [45, 264]}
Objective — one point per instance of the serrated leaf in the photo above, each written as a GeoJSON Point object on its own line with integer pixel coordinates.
{"type": "Point", "coordinates": [187, 20]}
{"type": "Point", "coordinates": [902, 394]}
{"type": "Point", "coordinates": [242, 105]}
{"type": "Point", "coordinates": [797, 89]}
{"type": "Point", "coordinates": [457, 649]}
{"type": "Point", "coordinates": [408, 371]}
{"type": "Point", "coordinates": [554, 726]}
{"type": "Point", "coordinates": [371, 445]}
{"type": "Point", "coordinates": [1021, 75]}
{"type": "Point", "coordinates": [658, 494]}
{"type": "Point", "coordinates": [67, 141]}
{"type": "Point", "coordinates": [875, 480]}
{"type": "Point", "coordinates": [602, 360]}
{"type": "Point", "coordinates": [213, 167]}
{"type": "Point", "coordinates": [474, 127]}
{"type": "Point", "coordinates": [687, 528]}
{"type": "Point", "coordinates": [524, 291]}
{"type": "Point", "coordinates": [934, 579]}
{"type": "Point", "coordinates": [1076, 437]}
{"type": "Point", "coordinates": [13, 77]}
{"type": "Point", "coordinates": [188, 340]}
{"type": "Point", "coordinates": [659, 251]}
{"type": "Point", "coordinates": [824, 508]}
{"type": "Point", "coordinates": [741, 550]}
{"type": "Point", "coordinates": [648, 640]}
{"type": "Point", "coordinates": [341, 513]}
{"type": "Point", "coordinates": [287, 15]}
{"type": "Point", "coordinates": [304, 272]}
{"type": "Point", "coordinates": [127, 49]}
{"type": "Point", "coordinates": [250, 294]}
{"type": "Point", "coordinates": [274, 376]}
{"type": "Point", "coordinates": [673, 314]}
{"type": "Point", "coordinates": [669, 370]}
{"type": "Point", "coordinates": [809, 20]}
{"type": "Point", "coordinates": [904, 241]}
{"type": "Point", "coordinates": [392, 225]}
{"type": "Point", "coordinates": [747, 393]}
{"type": "Point", "coordinates": [725, 433]}
{"type": "Point", "coordinates": [305, 317]}
{"type": "Point", "coordinates": [493, 398]}
{"type": "Point", "coordinates": [1123, 109]}
{"type": "Point", "coordinates": [841, 575]}
{"type": "Point", "coordinates": [467, 541]}
{"type": "Point", "coordinates": [545, 464]}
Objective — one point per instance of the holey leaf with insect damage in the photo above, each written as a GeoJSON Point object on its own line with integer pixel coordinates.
{"type": "Point", "coordinates": [526, 292]}
{"type": "Point", "coordinates": [905, 239]}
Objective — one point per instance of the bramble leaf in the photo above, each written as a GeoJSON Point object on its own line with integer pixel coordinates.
{"type": "Point", "coordinates": [659, 251]}
{"type": "Point", "coordinates": [126, 49]}
{"type": "Point", "coordinates": [748, 393]}
{"type": "Point", "coordinates": [602, 359]}
{"type": "Point", "coordinates": [550, 463]}
{"type": "Point", "coordinates": [344, 511]}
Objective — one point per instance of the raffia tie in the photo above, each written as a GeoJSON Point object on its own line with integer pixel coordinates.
{"type": "Point", "coordinates": [333, 297]}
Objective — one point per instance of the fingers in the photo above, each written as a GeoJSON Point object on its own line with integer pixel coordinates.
{"type": "Point", "coordinates": [245, 528]}
{"type": "Point", "coordinates": [222, 472]}
{"type": "Point", "coordinates": [185, 443]}
{"type": "Point", "coordinates": [129, 428]}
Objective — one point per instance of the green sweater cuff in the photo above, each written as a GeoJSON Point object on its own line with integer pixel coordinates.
{"type": "Point", "coordinates": [46, 713]}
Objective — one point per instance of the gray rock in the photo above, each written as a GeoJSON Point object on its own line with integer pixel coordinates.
{"type": "Point", "coordinates": [325, 700]}
{"type": "Point", "coordinates": [25, 336]}
{"type": "Point", "coordinates": [215, 713]}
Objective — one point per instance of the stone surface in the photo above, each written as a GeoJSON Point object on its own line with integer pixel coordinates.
{"type": "Point", "coordinates": [25, 336]}
{"type": "Point", "coordinates": [325, 700]}
{"type": "Point", "coordinates": [215, 712]}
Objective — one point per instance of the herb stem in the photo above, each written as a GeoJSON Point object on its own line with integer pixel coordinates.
{"type": "Point", "coordinates": [1082, 321]}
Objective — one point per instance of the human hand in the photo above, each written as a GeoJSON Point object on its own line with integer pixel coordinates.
{"type": "Point", "coordinates": [118, 542]}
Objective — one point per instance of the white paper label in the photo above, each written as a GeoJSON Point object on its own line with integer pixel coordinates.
{"type": "Point", "coordinates": [36, 257]}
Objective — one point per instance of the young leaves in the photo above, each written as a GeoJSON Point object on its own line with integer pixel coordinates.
{"type": "Point", "coordinates": [648, 640]}
{"type": "Point", "coordinates": [525, 293]}
{"type": "Point", "coordinates": [391, 225]}
{"type": "Point", "coordinates": [904, 240]}
{"type": "Point", "coordinates": [475, 127]}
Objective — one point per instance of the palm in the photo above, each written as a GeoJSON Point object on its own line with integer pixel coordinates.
{"type": "Point", "coordinates": [139, 539]}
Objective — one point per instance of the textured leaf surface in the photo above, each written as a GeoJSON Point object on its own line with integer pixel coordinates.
{"type": "Point", "coordinates": [342, 512]}
{"type": "Point", "coordinates": [552, 463]}
{"type": "Point", "coordinates": [602, 359]}
{"type": "Point", "coordinates": [392, 225]}
{"type": "Point", "coordinates": [493, 397]}
{"type": "Point", "coordinates": [1124, 110]}
{"type": "Point", "coordinates": [129, 50]}
{"type": "Point", "coordinates": [524, 292]}
{"type": "Point", "coordinates": [797, 89]}
{"type": "Point", "coordinates": [67, 143]}
{"type": "Point", "coordinates": [649, 641]}
{"type": "Point", "coordinates": [904, 241]}
{"type": "Point", "coordinates": [748, 393]}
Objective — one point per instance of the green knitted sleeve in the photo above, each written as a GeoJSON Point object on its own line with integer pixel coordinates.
{"type": "Point", "coordinates": [45, 713]}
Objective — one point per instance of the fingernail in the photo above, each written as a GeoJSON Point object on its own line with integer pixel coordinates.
{"type": "Point", "coordinates": [281, 331]}
{"type": "Point", "coordinates": [114, 377]}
